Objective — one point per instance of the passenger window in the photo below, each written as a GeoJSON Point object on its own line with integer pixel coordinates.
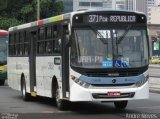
{"type": "Point", "coordinates": [41, 34]}
{"type": "Point", "coordinates": [48, 47]}
{"type": "Point", "coordinates": [49, 32]}
{"type": "Point", "coordinates": [26, 48]}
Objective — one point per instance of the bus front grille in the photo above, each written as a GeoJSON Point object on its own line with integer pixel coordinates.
{"type": "Point", "coordinates": [113, 73]}
{"type": "Point", "coordinates": [110, 85]}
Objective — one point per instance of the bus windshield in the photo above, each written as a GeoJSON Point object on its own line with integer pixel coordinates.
{"type": "Point", "coordinates": [122, 47]}
{"type": "Point", "coordinates": [3, 51]}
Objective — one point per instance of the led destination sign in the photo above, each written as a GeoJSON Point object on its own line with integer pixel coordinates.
{"type": "Point", "coordinates": [111, 18]}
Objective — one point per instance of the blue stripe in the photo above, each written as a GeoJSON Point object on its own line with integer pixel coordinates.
{"type": "Point", "coordinates": [108, 80]}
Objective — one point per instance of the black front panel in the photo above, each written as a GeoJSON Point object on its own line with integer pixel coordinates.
{"type": "Point", "coordinates": [111, 72]}
{"type": "Point", "coordinates": [96, 55]}
{"type": "Point", "coordinates": [109, 17]}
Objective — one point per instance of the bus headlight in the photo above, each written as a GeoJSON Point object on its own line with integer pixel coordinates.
{"type": "Point", "coordinates": [140, 83]}
{"type": "Point", "coordinates": [80, 82]}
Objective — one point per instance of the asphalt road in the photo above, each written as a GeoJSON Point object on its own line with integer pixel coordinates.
{"type": "Point", "coordinates": [13, 107]}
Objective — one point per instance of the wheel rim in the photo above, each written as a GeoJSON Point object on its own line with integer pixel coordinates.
{"type": "Point", "coordinates": [23, 90]}
{"type": "Point", "coordinates": [57, 96]}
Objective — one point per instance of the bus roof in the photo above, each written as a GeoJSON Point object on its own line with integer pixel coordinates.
{"type": "Point", "coordinates": [3, 32]}
{"type": "Point", "coordinates": [40, 22]}
{"type": "Point", "coordinates": [63, 17]}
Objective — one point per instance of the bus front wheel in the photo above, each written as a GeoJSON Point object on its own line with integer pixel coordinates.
{"type": "Point", "coordinates": [61, 104]}
{"type": "Point", "coordinates": [120, 104]}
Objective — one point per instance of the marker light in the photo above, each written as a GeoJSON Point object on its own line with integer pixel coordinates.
{"type": "Point", "coordinates": [80, 82]}
{"type": "Point", "coordinates": [141, 82]}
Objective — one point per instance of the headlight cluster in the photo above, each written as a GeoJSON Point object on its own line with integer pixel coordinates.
{"type": "Point", "coordinates": [140, 83]}
{"type": "Point", "coordinates": [80, 82]}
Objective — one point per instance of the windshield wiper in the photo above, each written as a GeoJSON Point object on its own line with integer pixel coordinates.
{"type": "Point", "coordinates": [104, 41]}
{"type": "Point", "coordinates": [124, 34]}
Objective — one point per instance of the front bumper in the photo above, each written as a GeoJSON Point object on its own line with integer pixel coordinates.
{"type": "Point", "coordinates": [78, 93]}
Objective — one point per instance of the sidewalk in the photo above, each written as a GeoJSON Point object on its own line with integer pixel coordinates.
{"type": "Point", "coordinates": [154, 84]}
{"type": "Point", "coordinates": [154, 65]}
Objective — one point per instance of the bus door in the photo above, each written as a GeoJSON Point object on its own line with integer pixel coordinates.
{"type": "Point", "coordinates": [32, 60]}
{"type": "Point", "coordinates": [65, 60]}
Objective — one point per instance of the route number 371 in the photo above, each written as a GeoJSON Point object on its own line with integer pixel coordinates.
{"type": "Point", "coordinates": [97, 18]}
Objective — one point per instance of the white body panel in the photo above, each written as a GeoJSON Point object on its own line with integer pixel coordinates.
{"type": "Point", "coordinates": [78, 93]}
{"type": "Point", "coordinates": [17, 66]}
{"type": "Point", "coordinates": [45, 70]}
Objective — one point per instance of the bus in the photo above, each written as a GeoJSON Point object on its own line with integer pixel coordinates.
{"type": "Point", "coordinates": [3, 56]}
{"type": "Point", "coordinates": [89, 55]}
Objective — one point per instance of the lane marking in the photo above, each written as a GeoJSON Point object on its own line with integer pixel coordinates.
{"type": "Point", "coordinates": [150, 107]}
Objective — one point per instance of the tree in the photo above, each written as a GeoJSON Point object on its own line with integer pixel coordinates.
{"type": "Point", "coordinates": [58, 7]}
{"type": "Point", "coordinates": [3, 4]}
{"type": "Point", "coordinates": [5, 23]}
{"type": "Point", "coordinates": [17, 12]}
{"type": "Point", "coordinates": [49, 8]}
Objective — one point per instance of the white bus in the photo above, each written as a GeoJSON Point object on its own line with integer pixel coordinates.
{"type": "Point", "coordinates": [90, 55]}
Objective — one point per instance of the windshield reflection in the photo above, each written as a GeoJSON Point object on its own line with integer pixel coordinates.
{"type": "Point", "coordinates": [107, 48]}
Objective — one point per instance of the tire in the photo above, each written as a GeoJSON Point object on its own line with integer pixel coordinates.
{"type": "Point", "coordinates": [2, 82]}
{"type": "Point", "coordinates": [120, 104]}
{"type": "Point", "coordinates": [60, 103]}
{"type": "Point", "coordinates": [26, 96]}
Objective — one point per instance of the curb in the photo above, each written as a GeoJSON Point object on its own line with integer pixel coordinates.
{"type": "Point", "coordinates": [154, 91]}
{"type": "Point", "coordinates": [154, 66]}
{"type": "Point", "coordinates": [154, 84]}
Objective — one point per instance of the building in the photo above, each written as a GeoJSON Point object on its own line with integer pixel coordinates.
{"type": "Point", "coordinates": [141, 6]}
{"type": "Point", "coordinates": [131, 5]}
{"type": "Point", "coordinates": [154, 28]}
{"type": "Point", "coordinates": [154, 15]}
{"type": "Point", "coordinates": [150, 3]}
{"type": "Point", "coordinates": [157, 2]}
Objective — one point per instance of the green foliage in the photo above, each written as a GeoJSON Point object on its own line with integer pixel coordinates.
{"type": "Point", "coordinates": [5, 23]}
{"type": "Point", "coordinates": [58, 7]}
{"type": "Point", "coordinates": [25, 13]}
{"type": "Point", "coordinates": [15, 12]}
{"type": "Point", "coordinates": [3, 4]}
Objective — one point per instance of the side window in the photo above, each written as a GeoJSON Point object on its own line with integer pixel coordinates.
{"type": "Point", "coordinates": [40, 48]}
{"type": "Point", "coordinates": [49, 32]}
{"type": "Point", "coordinates": [21, 43]}
{"type": "Point", "coordinates": [26, 43]}
{"type": "Point", "coordinates": [48, 47]}
{"type": "Point", "coordinates": [16, 38]}
{"type": "Point", "coordinates": [41, 32]}
{"type": "Point", "coordinates": [11, 44]}
{"type": "Point", "coordinates": [41, 41]}
{"type": "Point", "coordinates": [48, 42]}
{"type": "Point", "coordinates": [56, 39]}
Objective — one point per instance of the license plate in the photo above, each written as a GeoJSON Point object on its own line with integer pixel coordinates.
{"type": "Point", "coordinates": [114, 94]}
